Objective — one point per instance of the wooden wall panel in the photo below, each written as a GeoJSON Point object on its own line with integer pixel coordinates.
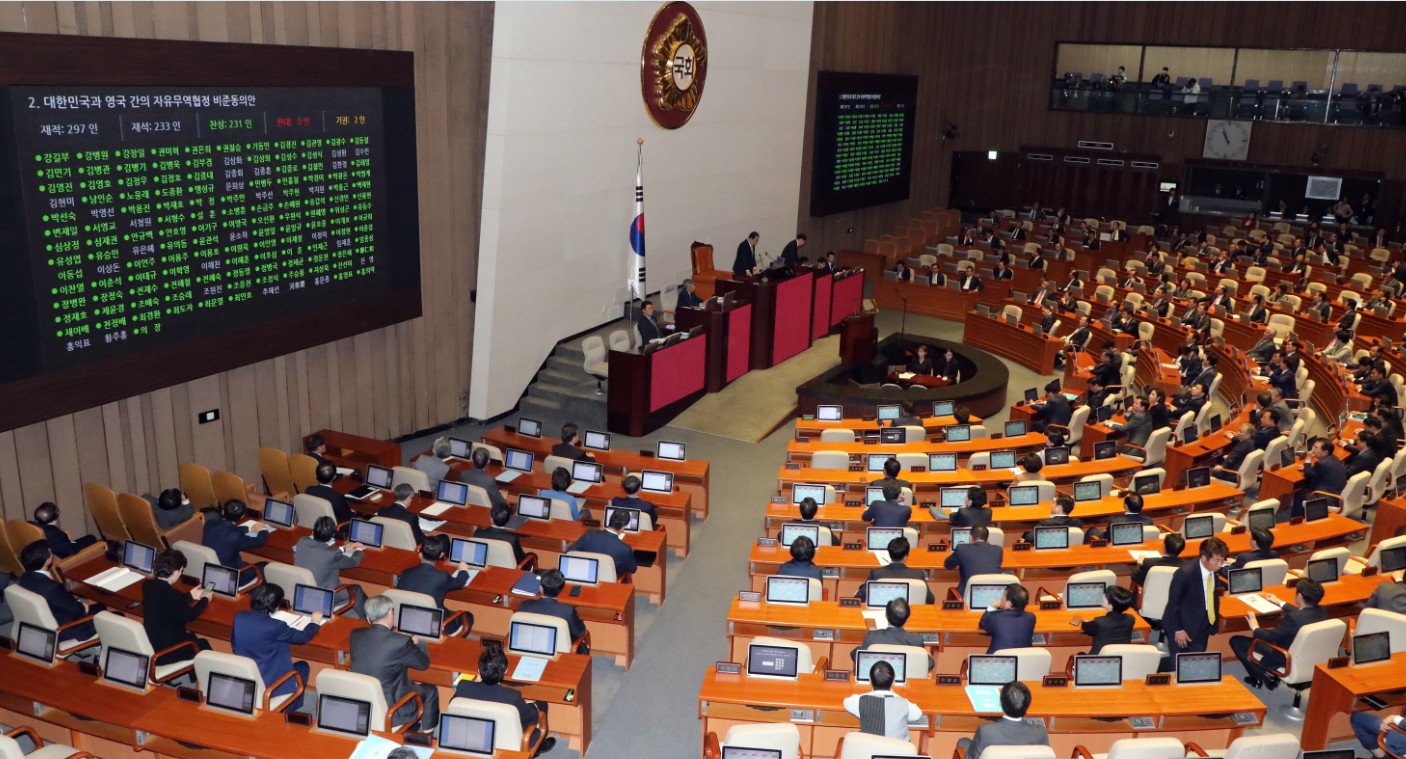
{"type": "Point", "coordinates": [985, 67]}
{"type": "Point", "coordinates": [383, 383]}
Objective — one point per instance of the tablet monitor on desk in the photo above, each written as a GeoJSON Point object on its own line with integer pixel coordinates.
{"type": "Point", "coordinates": [789, 533]}
{"type": "Point", "coordinates": [1003, 459]}
{"type": "Point", "coordinates": [138, 557]}
{"type": "Point", "coordinates": [1245, 580]}
{"type": "Point", "coordinates": [943, 408]}
{"type": "Point", "coordinates": [1106, 449]}
{"type": "Point", "coordinates": [634, 524]}
{"type": "Point", "coordinates": [308, 599]}
{"type": "Point", "coordinates": [460, 449]}
{"type": "Point", "coordinates": [1371, 648]}
{"type": "Point", "coordinates": [1051, 538]}
{"type": "Point", "coordinates": [596, 440]}
{"type": "Point", "coordinates": [778, 662]}
{"type": "Point", "coordinates": [1098, 671]}
{"type": "Point", "coordinates": [803, 490]}
{"type": "Point", "coordinates": [942, 462]}
{"type": "Point", "coordinates": [1341, 753]}
{"type": "Point", "coordinates": [1024, 495]}
{"type": "Point", "coordinates": [829, 413]}
{"type": "Point", "coordinates": [1104, 413]}
{"type": "Point", "coordinates": [1198, 668]}
{"type": "Point", "coordinates": [878, 538]}
{"type": "Point", "coordinates": [671, 451]}
{"type": "Point", "coordinates": [1315, 509]}
{"type": "Point", "coordinates": [1198, 526]}
{"type": "Point", "coordinates": [1057, 455]}
{"type": "Point", "coordinates": [516, 460]}
{"type": "Point", "coordinates": [1322, 570]}
{"type": "Point", "coordinates": [1031, 395]}
{"type": "Point", "coordinates": [960, 536]}
{"type": "Point", "coordinates": [782, 589]}
{"type": "Point", "coordinates": [419, 620]}
{"type": "Point", "coordinates": [1263, 519]}
{"type": "Point", "coordinates": [878, 593]}
{"type": "Point", "coordinates": [347, 716]}
{"type": "Point", "coordinates": [1088, 491]}
{"type": "Point", "coordinates": [744, 752]}
{"type": "Point", "coordinates": [888, 412]}
{"type": "Point", "coordinates": [1015, 428]}
{"type": "Point", "coordinates": [472, 736]}
{"type": "Point", "coordinates": [952, 498]}
{"type": "Point", "coordinates": [1199, 477]}
{"type": "Point", "coordinates": [872, 494]}
{"type": "Point", "coordinates": [529, 427]}
{"type": "Point", "coordinates": [1393, 559]}
{"type": "Point", "coordinates": [1146, 484]}
{"type": "Point", "coordinates": [534, 507]}
{"type": "Point", "coordinates": [230, 693]}
{"type": "Point", "coordinates": [451, 492]}
{"type": "Point", "coordinates": [874, 462]}
{"type": "Point", "coordinates": [527, 639]}
{"type": "Point", "coordinates": [1216, 423]}
{"type": "Point", "coordinates": [1286, 456]}
{"type": "Point", "coordinates": [587, 471]}
{"type": "Point", "coordinates": [1084, 595]}
{"type": "Point", "coordinates": [582, 570]}
{"type": "Point", "coordinates": [279, 513]}
{"type": "Point", "coordinates": [991, 669]}
{"type": "Point", "coordinates": [36, 643]}
{"type": "Point", "coordinates": [1189, 435]}
{"type": "Point", "coordinates": [471, 552]}
{"type": "Point", "coordinates": [958, 433]}
{"type": "Point", "coordinates": [1126, 534]}
{"type": "Point", "coordinates": [892, 435]}
{"type": "Point", "coordinates": [377, 478]}
{"type": "Point", "coordinates": [984, 595]}
{"type": "Point", "coordinates": [125, 668]}
{"type": "Point", "coordinates": [655, 481]}
{"type": "Point", "coordinates": [222, 580]}
{"type": "Point", "coordinates": [365, 533]}
{"type": "Point", "coordinates": [864, 662]}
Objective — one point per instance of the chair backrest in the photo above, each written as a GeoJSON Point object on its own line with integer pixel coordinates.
{"type": "Point", "coordinates": [1277, 746]}
{"type": "Point", "coordinates": [102, 504]}
{"type": "Point", "coordinates": [126, 633]}
{"type": "Point", "coordinates": [208, 662]}
{"type": "Point", "coordinates": [837, 435]}
{"type": "Point", "coordinates": [1355, 494]}
{"type": "Point", "coordinates": [1139, 659]}
{"type": "Point", "coordinates": [288, 577]}
{"type": "Point", "coordinates": [916, 664]}
{"type": "Point", "coordinates": [914, 433]}
{"type": "Point", "coordinates": [19, 533]}
{"type": "Point", "coordinates": [605, 571]}
{"type": "Point", "coordinates": [857, 745]}
{"type": "Point", "coordinates": [1012, 310]}
{"type": "Point", "coordinates": [1156, 588]}
{"type": "Point", "coordinates": [991, 579]}
{"type": "Point", "coordinates": [477, 496]}
{"type": "Point", "coordinates": [197, 484]}
{"type": "Point", "coordinates": [494, 452]}
{"type": "Point", "coordinates": [1017, 752]}
{"type": "Point", "coordinates": [784, 737]}
{"type": "Point", "coordinates": [9, 556]}
{"type": "Point", "coordinates": [1250, 467]}
{"type": "Point", "coordinates": [805, 662]}
{"type": "Point", "coordinates": [1381, 620]}
{"type": "Point", "coordinates": [400, 598]}
{"type": "Point", "coordinates": [507, 725]}
{"type": "Point", "coordinates": [1105, 576]}
{"type": "Point", "coordinates": [1076, 424]}
{"type": "Point", "coordinates": [309, 507]}
{"type": "Point", "coordinates": [345, 684]}
{"type": "Point", "coordinates": [1045, 488]}
{"type": "Point", "coordinates": [303, 469]}
{"type": "Point", "coordinates": [229, 487]}
{"type": "Point", "coordinates": [559, 509]}
{"type": "Point", "coordinates": [1374, 559]}
{"type": "Point", "coordinates": [1157, 447]}
{"type": "Point", "coordinates": [563, 637]}
{"type": "Point", "coordinates": [139, 519]}
{"type": "Point", "coordinates": [28, 606]}
{"type": "Point", "coordinates": [396, 533]}
{"type": "Point", "coordinates": [411, 476]}
{"type": "Point", "coordinates": [1341, 554]}
{"type": "Point", "coordinates": [1032, 662]}
{"type": "Point", "coordinates": [619, 340]}
{"type": "Point", "coordinates": [1272, 571]}
{"type": "Point", "coordinates": [274, 468]}
{"type": "Point", "coordinates": [1315, 644]}
{"type": "Point", "coordinates": [829, 460]}
{"type": "Point", "coordinates": [1146, 748]}
{"type": "Point", "coordinates": [552, 463]}
{"type": "Point", "coordinates": [501, 554]}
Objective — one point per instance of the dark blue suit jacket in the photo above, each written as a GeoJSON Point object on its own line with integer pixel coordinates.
{"type": "Point", "coordinates": [601, 541]}
{"type": "Point", "coordinates": [632, 502]}
{"type": "Point", "coordinates": [59, 542]}
{"type": "Point", "coordinates": [1328, 475]}
{"type": "Point", "coordinates": [432, 581]}
{"type": "Point", "coordinates": [974, 559]}
{"type": "Point", "coordinates": [797, 569]}
{"type": "Point", "coordinates": [227, 539]}
{"type": "Point", "coordinates": [267, 641]}
{"type": "Point", "coordinates": [1008, 628]}
{"type": "Point", "coordinates": [62, 604]}
{"type": "Point", "coordinates": [554, 608]}
{"type": "Point", "coordinates": [688, 300]}
{"type": "Point", "coordinates": [500, 694]}
{"type": "Point", "coordinates": [1056, 411]}
{"type": "Point", "coordinates": [397, 511]}
{"type": "Point", "coordinates": [888, 514]}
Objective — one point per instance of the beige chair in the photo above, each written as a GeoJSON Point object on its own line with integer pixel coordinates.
{"type": "Point", "coordinates": [128, 634]}
{"type": "Point", "coordinates": [552, 463]}
{"type": "Point", "coordinates": [830, 460]}
{"type": "Point", "coordinates": [565, 644]}
{"type": "Point", "coordinates": [197, 556]}
{"type": "Point", "coordinates": [303, 469]}
{"type": "Point", "coordinates": [1374, 559]}
{"type": "Point", "coordinates": [500, 554]}
{"type": "Point", "coordinates": [214, 662]}
{"type": "Point", "coordinates": [989, 579]}
{"type": "Point", "coordinates": [1015, 752]}
{"type": "Point", "coordinates": [1137, 748]}
{"type": "Point", "coordinates": [453, 620]}
{"type": "Point", "coordinates": [410, 476]}
{"type": "Point", "coordinates": [605, 565]}
{"type": "Point", "coordinates": [289, 577]}
{"type": "Point", "coordinates": [273, 467]}
{"type": "Point", "coordinates": [805, 663]}
{"type": "Point", "coordinates": [915, 658]}
{"type": "Point", "coordinates": [595, 360]}
{"type": "Point", "coordinates": [140, 521]}
{"type": "Point", "coordinates": [197, 485]}
{"type": "Point", "coordinates": [1032, 662]}
{"type": "Point", "coordinates": [349, 685]}
{"type": "Point", "coordinates": [31, 608]}
{"type": "Point", "coordinates": [102, 504]}
{"type": "Point", "coordinates": [837, 435]}
{"type": "Point", "coordinates": [1277, 746]}
{"type": "Point", "coordinates": [1139, 659]}
{"type": "Point", "coordinates": [1156, 450]}
{"type": "Point", "coordinates": [309, 508]}
{"type": "Point", "coordinates": [1314, 644]}
{"type": "Point", "coordinates": [494, 452]}
{"type": "Point", "coordinates": [396, 533]}
{"type": "Point", "coordinates": [1272, 571]}
{"type": "Point", "coordinates": [10, 747]}
{"type": "Point", "coordinates": [784, 737]}
{"type": "Point", "coordinates": [508, 733]}
{"type": "Point", "coordinates": [857, 745]}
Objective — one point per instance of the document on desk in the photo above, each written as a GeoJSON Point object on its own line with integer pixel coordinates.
{"type": "Point", "coordinates": [529, 669]}
{"type": "Point", "coordinates": [253, 527]}
{"type": "Point", "coordinates": [435, 509]}
{"type": "Point", "coordinates": [376, 747]}
{"type": "Point", "coordinates": [115, 579]}
{"type": "Point", "coordinates": [579, 487]}
{"type": "Point", "coordinates": [1141, 555]}
{"type": "Point", "coordinates": [905, 375]}
{"type": "Point", "coordinates": [345, 471]}
{"type": "Point", "coordinates": [882, 557]}
{"type": "Point", "coordinates": [295, 621]}
{"type": "Point", "coordinates": [508, 476]}
{"type": "Point", "coordinates": [985, 699]}
{"type": "Point", "coordinates": [877, 616]}
{"type": "Point", "coordinates": [1259, 603]}
{"type": "Point", "coordinates": [430, 525]}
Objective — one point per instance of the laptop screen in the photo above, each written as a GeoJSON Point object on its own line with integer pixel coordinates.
{"type": "Point", "coordinates": [892, 435]}
{"type": "Point", "coordinates": [953, 498]}
{"type": "Point", "coordinates": [1088, 491]}
{"type": "Point", "coordinates": [312, 600]}
{"type": "Point", "coordinates": [1106, 449]}
{"type": "Point", "coordinates": [1370, 648]}
{"type": "Point", "coordinates": [878, 538]}
{"type": "Point", "coordinates": [864, 662]}
{"type": "Point", "coordinates": [534, 506]}
{"type": "Point", "coordinates": [36, 642]}
{"type": "Point", "coordinates": [380, 476]}
{"type": "Point", "coordinates": [983, 669]}
{"type": "Point", "coordinates": [125, 667]}
{"type": "Point", "coordinates": [459, 449]}
{"type": "Point", "coordinates": [365, 533]}
{"type": "Point", "coordinates": [669, 451]}
{"type": "Point", "coordinates": [471, 552]}
{"type": "Point", "coordinates": [1315, 509]}
{"type": "Point", "coordinates": [1250, 580]}
{"type": "Point", "coordinates": [772, 661]}
{"type": "Point", "coordinates": [1057, 455]}
{"type": "Point", "coordinates": [586, 471]}
{"type": "Point", "coordinates": [943, 408]}
{"type": "Point", "coordinates": [470, 735]}
{"type": "Point", "coordinates": [1199, 668]}
{"type": "Point", "coordinates": [801, 491]}
{"type": "Point", "coordinates": [781, 589]}
{"type": "Point", "coordinates": [453, 492]}
{"type": "Point", "coordinates": [582, 570]}
{"type": "Point", "coordinates": [1015, 428]}
{"type": "Point", "coordinates": [138, 557]}
{"type": "Point", "coordinates": [1051, 537]}
{"type": "Point", "coordinates": [1146, 484]}
{"type": "Point", "coordinates": [529, 427]}
{"type": "Point", "coordinates": [1103, 414]}
{"type": "Point", "coordinates": [1200, 526]}
{"type": "Point", "coordinates": [1098, 671]}
{"type": "Point", "coordinates": [789, 533]}
{"type": "Point", "coordinates": [657, 482]}
{"type": "Point", "coordinates": [1323, 570]}
{"type": "Point", "coordinates": [1003, 459]}
{"type": "Point", "coordinates": [942, 462]}
{"type": "Point", "coordinates": [1216, 423]}
{"type": "Point", "coordinates": [1083, 595]}
{"type": "Point", "coordinates": [744, 752]}
{"type": "Point", "coordinates": [1031, 395]}
{"type": "Point", "coordinates": [343, 715]}
{"type": "Point", "coordinates": [874, 462]}
{"type": "Point", "coordinates": [419, 620]}
{"type": "Point", "coordinates": [533, 640]}
{"type": "Point", "coordinates": [279, 513]}
{"type": "Point", "coordinates": [222, 580]}
{"type": "Point", "coordinates": [518, 460]}
{"type": "Point", "coordinates": [960, 536]}
{"type": "Point", "coordinates": [1199, 477]}
{"type": "Point", "coordinates": [984, 595]}
{"type": "Point", "coordinates": [1261, 519]}
{"type": "Point", "coordinates": [235, 694]}
{"type": "Point", "coordinates": [958, 433]}
{"type": "Point", "coordinates": [1393, 559]}
{"type": "Point", "coordinates": [829, 413]}
{"type": "Point", "coordinates": [879, 593]}
{"type": "Point", "coordinates": [596, 441]}
{"type": "Point", "coordinates": [889, 412]}
{"type": "Point", "coordinates": [633, 526]}
{"type": "Point", "coordinates": [1024, 495]}
{"type": "Point", "coordinates": [1126, 534]}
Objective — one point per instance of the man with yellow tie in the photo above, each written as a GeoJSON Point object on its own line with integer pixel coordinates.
{"type": "Point", "coordinates": [1193, 606]}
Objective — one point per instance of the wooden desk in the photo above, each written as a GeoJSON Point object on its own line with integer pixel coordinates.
{"type": "Point", "coordinates": [801, 452]}
{"type": "Point", "coordinates": [1341, 598]}
{"type": "Point", "coordinates": [690, 475]}
{"type": "Point", "coordinates": [355, 451]}
{"type": "Point", "coordinates": [729, 328]}
{"type": "Point", "coordinates": [1391, 516]}
{"type": "Point", "coordinates": [808, 430]}
{"type": "Point", "coordinates": [1017, 344]}
{"type": "Point", "coordinates": [1335, 694]}
{"type": "Point", "coordinates": [934, 481]}
{"type": "Point", "coordinates": [782, 305]}
{"type": "Point", "coordinates": [649, 387]}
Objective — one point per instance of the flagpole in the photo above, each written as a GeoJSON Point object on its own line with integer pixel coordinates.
{"type": "Point", "coordinates": [636, 301]}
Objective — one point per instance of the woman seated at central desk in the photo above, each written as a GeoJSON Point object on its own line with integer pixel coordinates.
{"type": "Point", "coordinates": [920, 363]}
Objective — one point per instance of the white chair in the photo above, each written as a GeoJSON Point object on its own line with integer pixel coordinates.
{"type": "Point", "coordinates": [1156, 450]}
{"type": "Point", "coordinates": [494, 452]}
{"type": "Point", "coordinates": [552, 463]}
{"type": "Point", "coordinates": [477, 496]}
{"type": "Point", "coordinates": [830, 460]}
{"type": "Point", "coordinates": [1137, 748]}
{"type": "Point", "coordinates": [1156, 588]}
{"type": "Point", "coordinates": [1139, 659]}
{"type": "Point", "coordinates": [1105, 482]}
{"type": "Point", "coordinates": [501, 554]}
{"type": "Point", "coordinates": [1272, 571]}
{"type": "Point", "coordinates": [396, 533]}
{"type": "Point", "coordinates": [784, 737]}
{"type": "Point", "coordinates": [857, 745]}
{"type": "Point", "coordinates": [837, 435]}
{"type": "Point", "coordinates": [914, 433]}
{"type": "Point", "coordinates": [594, 360]}
{"type": "Point", "coordinates": [207, 662]}
{"type": "Point", "coordinates": [411, 476]}
{"type": "Point", "coordinates": [197, 556]}
{"type": "Point", "coordinates": [1045, 488]}
{"type": "Point", "coordinates": [128, 634]}
{"type": "Point", "coordinates": [1374, 559]}
{"type": "Point", "coordinates": [350, 685]}
{"type": "Point", "coordinates": [1074, 433]}
{"type": "Point", "coordinates": [453, 620]}
{"type": "Point", "coordinates": [11, 748]}
{"type": "Point", "coordinates": [1377, 486]}
{"type": "Point", "coordinates": [805, 662]}
{"type": "Point", "coordinates": [1313, 645]}
{"type": "Point", "coordinates": [605, 565]}
{"type": "Point", "coordinates": [1016, 752]}
{"type": "Point", "coordinates": [1353, 496]}
{"type": "Point", "coordinates": [1158, 472]}
{"type": "Point", "coordinates": [565, 644]}
{"type": "Point", "coordinates": [308, 509]}
{"type": "Point", "coordinates": [31, 608]}
{"type": "Point", "coordinates": [1105, 576]}
{"type": "Point", "coordinates": [1031, 662]}
{"type": "Point", "coordinates": [910, 460]}
{"type": "Point", "coordinates": [991, 579]}
{"type": "Point", "coordinates": [915, 658]}
{"type": "Point", "coordinates": [1381, 620]}
{"type": "Point", "coordinates": [1217, 522]}
{"type": "Point", "coordinates": [619, 340]}
{"type": "Point", "coordinates": [1247, 477]}
{"type": "Point", "coordinates": [996, 536]}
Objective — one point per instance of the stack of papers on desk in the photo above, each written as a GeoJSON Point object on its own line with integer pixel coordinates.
{"type": "Point", "coordinates": [295, 621]}
{"type": "Point", "coordinates": [508, 476]}
{"type": "Point", "coordinates": [579, 487]}
{"type": "Point", "coordinates": [877, 616]}
{"type": "Point", "coordinates": [1140, 555]}
{"type": "Point", "coordinates": [529, 669]}
{"type": "Point", "coordinates": [985, 699]}
{"type": "Point", "coordinates": [905, 375]}
{"type": "Point", "coordinates": [115, 579]}
{"type": "Point", "coordinates": [254, 527]}
{"type": "Point", "coordinates": [882, 557]}
{"type": "Point", "coordinates": [430, 525]}
{"type": "Point", "coordinates": [435, 509]}
{"type": "Point", "coordinates": [345, 471]}
{"type": "Point", "coordinates": [1259, 603]}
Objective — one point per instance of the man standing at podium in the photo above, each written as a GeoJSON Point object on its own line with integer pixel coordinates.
{"type": "Point", "coordinates": [746, 260]}
{"type": "Point", "coordinates": [791, 254]}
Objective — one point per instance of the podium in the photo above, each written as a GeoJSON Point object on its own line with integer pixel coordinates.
{"type": "Point", "coordinates": [781, 312]}
{"type": "Point", "coordinates": [650, 386]}
{"type": "Point", "coordinates": [858, 338]}
{"type": "Point", "coordinates": [728, 326]}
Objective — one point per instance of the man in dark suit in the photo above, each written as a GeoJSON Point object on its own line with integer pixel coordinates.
{"type": "Point", "coordinates": [552, 583]}
{"type": "Point", "coordinates": [890, 512]}
{"type": "Point", "coordinates": [316, 447]}
{"type": "Point", "coordinates": [1047, 317]}
{"type": "Point", "coordinates": [268, 641]}
{"type": "Point", "coordinates": [1268, 429]}
{"type": "Point", "coordinates": [1060, 510]}
{"type": "Point", "coordinates": [166, 611]}
{"type": "Point", "coordinates": [501, 515]}
{"type": "Point", "coordinates": [1197, 318]}
{"type": "Point", "coordinates": [1281, 376]}
{"type": "Point", "coordinates": [227, 539]}
{"type": "Point", "coordinates": [1193, 606]}
{"type": "Point", "coordinates": [380, 651]}
{"type": "Point", "coordinates": [896, 612]}
{"type": "Point", "coordinates": [1138, 423]}
{"type": "Point", "coordinates": [1264, 548]}
{"type": "Point", "coordinates": [1011, 729]}
{"type": "Point", "coordinates": [1390, 596]}
{"type": "Point", "coordinates": [611, 542]}
{"type": "Point", "coordinates": [969, 281]}
{"type": "Point", "coordinates": [1322, 472]}
{"type": "Point", "coordinates": [631, 499]}
{"type": "Point", "coordinates": [1002, 271]}
{"type": "Point", "coordinates": [791, 254]}
{"type": "Point", "coordinates": [492, 668]}
{"type": "Point", "coordinates": [1116, 625]}
{"type": "Point", "coordinates": [46, 516]}
{"type": "Point", "coordinates": [1132, 514]}
{"type": "Point", "coordinates": [975, 558]}
{"type": "Point", "coordinates": [319, 553]}
{"type": "Point", "coordinates": [1007, 621]}
{"type": "Point", "coordinates": [1055, 409]}
{"type": "Point", "coordinates": [326, 473]}
{"type": "Point", "coordinates": [688, 296]}
{"type": "Point", "coordinates": [404, 493]}
{"type": "Point", "coordinates": [1018, 233]}
{"type": "Point", "coordinates": [477, 476]}
{"type": "Point", "coordinates": [809, 508]}
{"type": "Point", "coordinates": [974, 513]}
{"type": "Point", "coordinates": [38, 578]}
{"type": "Point", "coordinates": [648, 323]}
{"type": "Point", "coordinates": [1242, 443]}
{"type": "Point", "coordinates": [802, 563]}
{"type": "Point", "coordinates": [896, 570]}
{"type": "Point", "coordinates": [1172, 545]}
{"type": "Point", "coordinates": [426, 577]}
{"type": "Point", "coordinates": [1303, 611]}
{"type": "Point", "coordinates": [746, 259]}
{"type": "Point", "coordinates": [568, 447]}
{"type": "Point", "coordinates": [891, 471]}
{"type": "Point", "coordinates": [1257, 313]}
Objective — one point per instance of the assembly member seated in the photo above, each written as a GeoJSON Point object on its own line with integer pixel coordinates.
{"type": "Point", "coordinates": [268, 641]}
{"type": "Point", "coordinates": [380, 651]}
{"type": "Point", "coordinates": [426, 577]}
{"type": "Point", "coordinates": [896, 612]}
{"type": "Point", "coordinates": [173, 508]}
{"type": "Point", "coordinates": [1116, 625]}
{"type": "Point", "coordinates": [975, 558]}
{"type": "Point", "coordinates": [1060, 510]}
{"type": "Point", "coordinates": [632, 500]}
{"type": "Point", "coordinates": [973, 514]}
{"type": "Point", "coordinates": [433, 466]}
{"type": "Point", "coordinates": [38, 578]}
{"type": "Point", "coordinates": [319, 553]}
{"type": "Point", "coordinates": [492, 668]}
{"type": "Point", "coordinates": [897, 712]}
{"type": "Point", "coordinates": [802, 563]}
{"type": "Point", "coordinates": [1011, 729]}
{"type": "Point", "coordinates": [46, 516]}
{"type": "Point", "coordinates": [500, 516]}
{"type": "Point", "coordinates": [1264, 547]}
{"type": "Point", "coordinates": [611, 542]}
{"type": "Point", "coordinates": [1304, 611]}
{"type": "Point", "coordinates": [227, 539]}
{"type": "Point", "coordinates": [1007, 621]}
{"type": "Point", "coordinates": [809, 508]}
{"type": "Point", "coordinates": [896, 570]}
{"type": "Point", "coordinates": [477, 476]}
{"type": "Point", "coordinates": [1172, 545]}
{"type": "Point", "coordinates": [552, 583]}
{"type": "Point", "coordinates": [1055, 409]}
{"type": "Point", "coordinates": [326, 473]}
{"type": "Point", "coordinates": [891, 471]}
{"type": "Point", "coordinates": [166, 611]}
{"type": "Point", "coordinates": [569, 447]}
{"type": "Point", "coordinates": [890, 512]}
{"type": "Point", "coordinates": [404, 494]}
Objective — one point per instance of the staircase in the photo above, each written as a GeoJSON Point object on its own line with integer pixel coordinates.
{"type": "Point", "coordinates": [562, 390]}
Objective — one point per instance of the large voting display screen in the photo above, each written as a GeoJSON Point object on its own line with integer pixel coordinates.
{"type": "Point", "coordinates": [156, 209]}
{"type": "Point", "coordinates": [863, 150]}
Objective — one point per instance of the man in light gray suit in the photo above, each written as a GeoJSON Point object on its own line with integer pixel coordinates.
{"type": "Point", "coordinates": [1139, 423]}
{"type": "Point", "coordinates": [1389, 596]}
{"type": "Point", "coordinates": [477, 476]}
{"type": "Point", "coordinates": [381, 652]}
{"type": "Point", "coordinates": [1011, 729]}
{"type": "Point", "coordinates": [433, 465]}
{"type": "Point", "coordinates": [318, 554]}
{"type": "Point", "coordinates": [897, 612]}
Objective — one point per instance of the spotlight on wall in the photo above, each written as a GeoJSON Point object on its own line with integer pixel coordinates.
{"type": "Point", "coordinates": [991, 155]}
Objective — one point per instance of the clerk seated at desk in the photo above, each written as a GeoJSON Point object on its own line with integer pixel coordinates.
{"type": "Point", "coordinates": [1115, 626]}
{"type": "Point", "coordinates": [561, 480]}
{"type": "Point", "coordinates": [499, 531]}
{"type": "Point", "coordinates": [881, 711]}
{"type": "Point", "coordinates": [946, 366]}
{"type": "Point", "coordinates": [382, 652]}
{"type": "Point", "coordinates": [426, 577]}
{"type": "Point", "coordinates": [688, 296]}
{"type": "Point", "coordinates": [890, 512]}
{"type": "Point", "coordinates": [1132, 514]}
{"type": "Point", "coordinates": [1322, 472]}
{"type": "Point", "coordinates": [631, 500]}
{"type": "Point", "coordinates": [38, 578]}
{"type": "Point", "coordinates": [569, 447]}
{"type": "Point", "coordinates": [1055, 409]}
{"type": "Point", "coordinates": [895, 570]}
{"type": "Point", "coordinates": [1242, 443]}
{"type": "Point", "coordinates": [268, 641]}
{"type": "Point", "coordinates": [492, 668]}
{"type": "Point", "coordinates": [809, 508]}
{"type": "Point", "coordinates": [648, 323]}
{"type": "Point", "coordinates": [896, 612]}
{"type": "Point", "coordinates": [227, 539]}
{"type": "Point", "coordinates": [552, 583]}
{"type": "Point", "coordinates": [920, 363]}
{"type": "Point", "coordinates": [166, 611]}
{"type": "Point", "coordinates": [1007, 621]}
{"type": "Point", "coordinates": [802, 563]}
{"type": "Point", "coordinates": [611, 542]}
{"type": "Point", "coordinates": [975, 558]}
